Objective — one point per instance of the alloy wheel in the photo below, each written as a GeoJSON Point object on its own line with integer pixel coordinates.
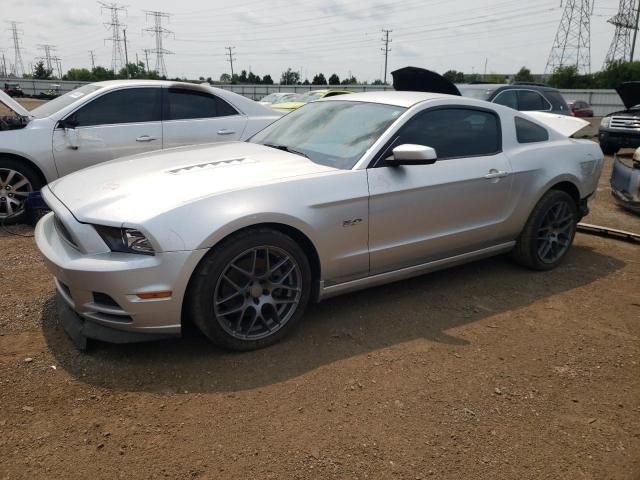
{"type": "Point", "coordinates": [258, 292]}
{"type": "Point", "coordinates": [555, 232]}
{"type": "Point", "coordinates": [14, 189]}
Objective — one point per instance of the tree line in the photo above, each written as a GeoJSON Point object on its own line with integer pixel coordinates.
{"type": "Point", "coordinates": [566, 77]}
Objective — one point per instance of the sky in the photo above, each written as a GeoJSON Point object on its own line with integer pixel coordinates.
{"type": "Point", "coordinates": [328, 36]}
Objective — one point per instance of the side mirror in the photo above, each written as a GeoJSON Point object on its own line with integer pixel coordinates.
{"type": "Point", "coordinates": [69, 122]}
{"type": "Point", "coordinates": [409, 154]}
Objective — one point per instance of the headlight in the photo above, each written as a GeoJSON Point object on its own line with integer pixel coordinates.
{"type": "Point", "coordinates": [606, 121]}
{"type": "Point", "coordinates": [126, 240]}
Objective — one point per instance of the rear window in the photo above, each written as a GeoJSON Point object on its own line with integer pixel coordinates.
{"type": "Point", "coordinates": [529, 132]}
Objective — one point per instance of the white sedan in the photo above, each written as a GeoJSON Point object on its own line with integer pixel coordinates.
{"type": "Point", "coordinates": [106, 120]}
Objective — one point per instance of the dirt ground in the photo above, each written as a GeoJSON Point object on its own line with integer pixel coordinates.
{"type": "Point", "coordinates": [486, 371]}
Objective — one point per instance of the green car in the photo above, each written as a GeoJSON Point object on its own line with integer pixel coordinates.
{"type": "Point", "coordinates": [311, 96]}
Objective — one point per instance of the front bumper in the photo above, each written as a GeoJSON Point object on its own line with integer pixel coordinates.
{"type": "Point", "coordinates": [101, 288]}
{"type": "Point", "coordinates": [619, 138]}
{"type": "Point", "coordinates": [625, 185]}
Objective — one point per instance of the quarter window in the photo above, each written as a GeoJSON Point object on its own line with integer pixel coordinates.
{"type": "Point", "coordinates": [130, 105]}
{"type": "Point", "coordinates": [189, 104]}
{"type": "Point", "coordinates": [529, 132]}
{"type": "Point", "coordinates": [531, 101]}
{"type": "Point", "coordinates": [454, 132]}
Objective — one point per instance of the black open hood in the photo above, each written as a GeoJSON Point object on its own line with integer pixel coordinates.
{"type": "Point", "coordinates": [629, 93]}
{"type": "Point", "coordinates": [414, 79]}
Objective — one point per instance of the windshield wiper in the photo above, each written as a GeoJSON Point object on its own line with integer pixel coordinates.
{"type": "Point", "coordinates": [285, 148]}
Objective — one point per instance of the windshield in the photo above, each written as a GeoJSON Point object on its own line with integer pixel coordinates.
{"type": "Point", "coordinates": [477, 93]}
{"type": "Point", "coordinates": [57, 104]}
{"type": "Point", "coordinates": [335, 133]}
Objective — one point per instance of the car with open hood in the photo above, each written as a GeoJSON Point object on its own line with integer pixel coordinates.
{"type": "Point", "coordinates": [344, 193]}
{"type": "Point", "coordinates": [622, 129]}
{"type": "Point", "coordinates": [102, 121]}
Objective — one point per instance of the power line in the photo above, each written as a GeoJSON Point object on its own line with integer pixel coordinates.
{"type": "Point", "coordinates": [18, 66]}
{"type": "Point", "coordinates": [230, 58]}
{"type": "Point", "coordinates": [115, 26]}
{"type": "Point", "coordinates": [386, 50]}
{"type": "Point", "coordinates": [572, 44]}
{"type": "Point", "coordinates": [160, 32]}
{"type": "Point", "coordinates": [625, 22]}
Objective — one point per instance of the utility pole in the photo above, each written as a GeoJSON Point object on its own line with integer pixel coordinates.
{"type": "Point", "coordinates": [635, 32]}
{"type": "Point", "coordinates": [126, 53]}
{"type": "Point", "coordinates": [93, 60]}
{"type": "Point", "coordinates": [572, 43]}
{"type": "Point", "coordinates": [160, 33]}
{"type": "Point", "coordinates": [231, 58]}
{"type": "Point", "coordinates": [386, 50]}
{"type": "Point", "coordinates": [47, 58]}
{"type": "Point", "coordinates": [115, 26]}
{"type": "Point", "coordinates": [18, 66]}
{"type": "Point", "coordinates": [146, 55]}
{"type": "Point", "coordinates": [4, 66]}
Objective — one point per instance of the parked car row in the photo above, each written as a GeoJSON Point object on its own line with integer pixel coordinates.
{"type": "Point", "coordinates": [342, 193]}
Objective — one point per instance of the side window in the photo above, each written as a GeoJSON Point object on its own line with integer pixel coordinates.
{"type": "Point", "coordinates": [507, 98]}
{"type": "Point", "coordinates": [189, 104]}
{"type": "Point", "coordinates": [531, 101]}
{"type": "Point", "coordinates": [558, 103]}
{"type": "Point", "coordinates": [130, 105]}
{"type": "Point", "coordinates": [454, 132]}
{"type": "Point", "coordinates": [529, 132]}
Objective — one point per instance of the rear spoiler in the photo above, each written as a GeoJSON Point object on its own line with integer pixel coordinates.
{"type": "Point", "coordinates": [563, 124]}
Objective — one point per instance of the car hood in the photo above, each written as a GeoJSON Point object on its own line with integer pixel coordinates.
{"type": "Point", "coordinates": [13, 105]}
{"type": "Point", "coordinates": [140, 187]}
{"type": "Point", "coordinates": [629, 93]}
{"type": "Point", "coordinates": [288, 105]}
{"type": "Point", "coordinates": [414, 79]}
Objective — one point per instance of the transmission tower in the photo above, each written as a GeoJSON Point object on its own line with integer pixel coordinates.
{"type": "Point", "coordinates": [572, 44]}
{"type": "Point", "coordinates": [230, 58]}
{"type": "Point", "coordinates": [47, 58]}
{"type": "Point", "coordinates": [159, 32]}
{"type": "Point", "coordinates": [3, 65]}
{"type": "Point", "coordinates": [386, 50]}
{"type": "Point", "coordinates": [18, 66]}
{"type": "Point", "coordinates": [625, 23]}
{"type": "Point", "coordinates": [116, 27]}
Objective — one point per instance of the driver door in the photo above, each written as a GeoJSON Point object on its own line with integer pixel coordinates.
{"type": "Point", "coordinates": [459, 204]}
{"type": "Point", "coordinates": [119, 123]}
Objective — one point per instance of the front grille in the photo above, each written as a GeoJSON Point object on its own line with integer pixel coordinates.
{"type": "Point", "coordinates": [63, 232]}
{"type": "Point", "coordinates": [629, 123]}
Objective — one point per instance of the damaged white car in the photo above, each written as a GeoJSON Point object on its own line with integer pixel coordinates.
{"type": "Point", "coordinates": [343, 194]}
{"type": "Point", "coordinates": [106, 120]}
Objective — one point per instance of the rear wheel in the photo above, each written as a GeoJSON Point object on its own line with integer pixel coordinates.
{"type": "Point", "coordinates": [548, 233]}
{"type": "Point", "coordinates": [17, 180]}
{"type": "Point", "coordinates": [251, 291]}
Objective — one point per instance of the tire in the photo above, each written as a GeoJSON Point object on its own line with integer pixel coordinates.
{"type": "Point", "coordinates": [609, 149]}
{"type": "Point", "coordinates": [17, 180]}
{"type": "Point", "coordinates": [243, 303]}
{"type": "Point", "coordinates": [549, 232]}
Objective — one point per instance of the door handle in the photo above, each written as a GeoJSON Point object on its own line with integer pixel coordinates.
{"type": "Point", "coordinates": [226, 132]}
{"type": "Point", "coordinates": [493, 174]}
{"type": "Point", "coordinates": [145, 138]}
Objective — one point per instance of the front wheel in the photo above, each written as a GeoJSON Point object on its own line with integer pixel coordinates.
{"type": "Point", "coordinates": [251, 290]}
{"type": "Point", "coordinates": [548, 233]}
{"type": "Point", "coordinates": [16, 182]}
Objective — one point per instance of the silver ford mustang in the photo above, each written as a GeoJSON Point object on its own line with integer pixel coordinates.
{"type": "Point", "coordinates": [342, 194]}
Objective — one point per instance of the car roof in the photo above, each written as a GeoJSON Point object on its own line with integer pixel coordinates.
{"type": "Point", "coordinates": [390, 97]}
